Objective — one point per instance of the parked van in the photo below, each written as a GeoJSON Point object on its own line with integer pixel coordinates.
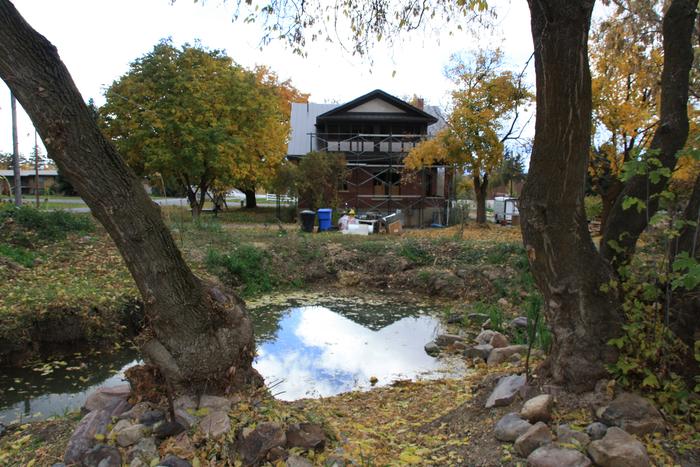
{"type": "Point", "coordinates": [504, 208]}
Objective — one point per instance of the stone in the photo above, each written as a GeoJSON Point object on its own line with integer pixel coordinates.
{"type": "Point", "coordinates": [151, 417]}
{"type": "Point", "coordinates": [58, 464]}
{"type": "Point", "coordinates": [537, 435]}
{"type": "Point", "coordinates": [121, 425]}
{"type": "Point", "coordinates": [183, 445]}
{"type": "Point", "coordinates": [83, 438]}
{"type": "Point", "coordinates": [455, 318]}
{"type": "Point", "coordinates": [173, 461]}
{"type": "Point", "coordinates": [618, 449]}
{"type": "Point", "coordinates": [130, 435]}
{"type": "Point", "coordinates": [519, 322]}
{"type": "Point", "coordinates": [136, 411]}
{"type": "Point", "coordinates": [166, 429]}
{"type": "Point", "coordinates": [565, 435]}
{"type": "Point", "coordinates": [102, 456]}
{"type": "Point", "coordinates": [484, 337]}
{"type": "Point", "coordinates": [505, 391]}
{"type": "Point", "coordinates": [138, 463]}
{"type": "Point", "coordinates": [486, 324]}
{"type": "Point", "coordinates": [510, 427]}
{"type": "Point", "coordinates": [432, 349]}
{"type": "Point", "coordinates": [479, 351]}
{"type": "Point", "coordinates": [277, 454]}
{"type": "Point", "coordinates": [596, 430]}
{"type": "Point", "coordinates": [306, 436]}
{"type": "Point", "coordinates": [215, 424]}
{"type": "Point", "coordinates": [298, 461]}
{"type": "Point", "coordinates": [108, 398]}
{"type": "Point", "coordinates": [145, 450]}
{"type": "Point", "coordinates": [215, 403]}
{"type": "Point", "coordinates": [445, 340]}
{"type": "Point", "coordinates": [477, 317]}
{"type": "Point", "coordinates": [538, 409]}
{"type": "Point", "coordinates": [185, 402]}
{"type": "Point", "coordinates": [550, 455]}
{"type": "Point", "coordinates": [515, 358]}
{"type": "Point", "coordinates": [503, 302]}
{"type": "Point", "coordinates": [634, 414]}
{"type": "Point", "coordinates": [500, 355]}
{"type": "Point", "coordinates": [498, 340]}
{"type": "Point", "coordinates": [255, 444]}
{"type": "Point", "coordinates": [185, 418]}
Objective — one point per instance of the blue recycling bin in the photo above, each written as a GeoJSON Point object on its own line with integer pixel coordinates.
{"type": "Point", "coordinates": [324, 219]}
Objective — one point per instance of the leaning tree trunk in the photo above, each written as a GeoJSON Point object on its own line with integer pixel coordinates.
{"type": "Point", "coordinates": [568, 270]}
{"type": "Point", "coordinates": [250, 199]}
{"type": "Point", "coordinates": [624, 226]}
{"type": "Point", "coordinates": [198, 335]}
{"type": "Point", "coordinates": [480, 188]}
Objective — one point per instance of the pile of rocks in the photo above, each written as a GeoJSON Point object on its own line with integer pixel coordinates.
{"type": "Point", "coordinates": [490, 346]}
{"type": "Point", "coordinates": [606, 442]}
{"type": "Point", "coordinates": [115, 433]}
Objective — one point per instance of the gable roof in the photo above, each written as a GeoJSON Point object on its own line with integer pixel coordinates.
{"type": "Point", "coordinates": [404, 110]}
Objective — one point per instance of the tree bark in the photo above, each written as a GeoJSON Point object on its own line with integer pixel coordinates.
{"type": "Point", "coordinates": [480, 188]}
{"type": "Point", "coordinates": [250, 200]}
{"type": "Point", "coordinates": [624, 226]}
{"type": "Point", "coordinates": [566, 266]}
{"type": "Point", "coordinates": [198, 335]}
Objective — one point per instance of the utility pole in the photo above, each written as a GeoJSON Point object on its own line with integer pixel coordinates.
{"type": "Point", "coordinates": [15, 153]}
{"type": "Point", "coordinates": [36, 169]}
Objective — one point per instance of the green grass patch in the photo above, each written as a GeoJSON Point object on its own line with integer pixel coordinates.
{"type": "Point", "coordinates": [18, 254]}
{"type": "Point", "coordinates": [414, 252]}
{"type": "Point", "coordinates": [45, 225]}
{"type": "Point", "coordinates": [247, 266]}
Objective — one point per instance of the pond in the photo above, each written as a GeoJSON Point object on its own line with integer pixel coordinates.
{"type": "Point", "coordinates": [309, 345]}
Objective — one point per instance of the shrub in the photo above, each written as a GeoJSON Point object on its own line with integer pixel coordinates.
{"type": "Point", "coordinates": [46, 225]}
{"type": "Point", "coordinates": [246, 266]}
{"type": "Point", "coordinates": [18, 254]}
{"type": "Point", "coordinates": [414, 252]}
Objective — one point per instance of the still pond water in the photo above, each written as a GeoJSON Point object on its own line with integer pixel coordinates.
{"type": "Point", "coordinates": [308, 346]}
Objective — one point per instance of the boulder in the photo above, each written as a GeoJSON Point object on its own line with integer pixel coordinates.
{"type": "Point", "coordinates": [500, 355]}
{"type": "Point", "coordinates": [121, 425]}
{"type": "Point", "coordinates": [83, 438]}
{"type": "Point", "coordinates": [498, 340]}
{"type": "Point", "coordinates": [185, 403]}
{"type": "Point", "coordinates": [519, 323]}
{"type": "Point", "coordinates": [102, 456]}
{"type": "Point", "coordinates": [550, 455]}
{"type": "Point", "coordinates": [432, 349]}
{"type": "Point", "coordinates": [484, 337]}
{"type": "Point", "coordinates": [445, 340]}
{"type": "Point", "coordinates": [255, 444]}
{"type": "Point", "coordinates": [130, 435]}
{"type": "Point", "coordinates": [596, 430]}
{"type": "Point", "coordinates": [109, 398]}
{"type": "Point", "coordinates": [477, 317]}
{"type": "Point", "coordinates": [145, 450]}
{"type": "Point", "coordinates": [174, 461]}
{"type": "Point", "coordinates": [506, 390]}
{"type": "Point", "coordinates": [151, 417]}
{"type": "Point", "coordinates": [306, 436]}
{"type": "Point", "coordinates": [537, 435]}
{"type": "Point", "coordinates": [538, 409]}
{"type": "Point", "coordinates": [510, 427]}
{"type": "Point", "coordinates": [298, 461]}
{"type": "Point", "coordinates": [618, 449]}
{"type": "Point", "coordinates": [136, 411]}
{"type": "Point", "coordinates": [478, 351]}
{"type": "Point", "coordinates": [634, 414]}
{"type": "Point", "coordinates": [166, 429]}
{"type": "Point", "coordinates": [185, 418]}
{"type": "Point", "coordinates": [215, 403]}
{"type": "Point", "coordinates": [565, 435]}
{"type": "Point", "coordinates": [215, 424]}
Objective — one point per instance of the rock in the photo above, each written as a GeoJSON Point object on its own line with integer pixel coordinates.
{"type": "Point", "coordinates": [215, 424]}
{"type": "Point", "coordinates": [174, 461]}
{"type": "Point", "coordinates": [596, 430]}
{"type": "Point", "coordinates": [432, 349]}
{"type": "Point", "coordinates": [477, 317]}
{"type": "Point", "coordinates": [102, 456]}
{"type": "Point", "coordinates": [151, 417]}
{"type": "Point", "coordinates": [136, 411]}
{"type": "Point", "coordinates": [186, 419]}
{"type": "Point", "coordinates": [479, 351]}
{"type": "Point", "coordinates": [277, 454]}
{"type": "Point", "coordinates": [109, 399]}
{"type": "Point", "coordinates": [486, 324]}
{"type": "Point", "coordinates": [445, 340]}
{"type": "Point", "coordinates": [306, 436]}
{"type": "Point", "coordinates": [130, 435]}
{"type": "Point", "coordinates": [255, 444]}
{"type": "Point", "coordinates": [634, 414]}
{"type": "Point", "coordinates": [138, 463]}
{"type": "Point", "coordinates": [166, 429]}
{"type": "Point", "coordinates": [565, 435]}
{"type": "Point", "coordinates": [510, 427]}
{"type": "Point", "coordinates": [145, 450]}
{"type": "Point", "coordinates": [500, 355]}
{"type": "Point", "coordinates": [550, 455]}
{"type": "Point", "coordinates": [498, 340]}
{"type": "Point", "coordinates": [618, 449]}
{"type": "Point", "coordinates": [553, 389]}
{"type": "Point", "coordinates": [185, 402]}
{"type": "Point", "coordinates": [83, 438]}
{"type": "Point", "coordinates": [121, 425]}
{"type": "Point", "coordinates": [455, 319]}
{"type": "Point", "coordinates": [215, 403]}
{"type": "Point", "coordinates": [537, 435]}
{"type": "Point", "coordinates": [298, 461]}
{"type": "Point", "coordinates": [519, 322]}
{"type": "Point", "coordinates": [484, 337]}
{"type": "Point", "coordinates": [515, 358]}
{"type": "Point", "coordinates": [538, 409]}
{"type": "Point", "coordinates": [58, 464]}
{"type": "Point", "coordinates": [503, 302]}
{"type": "Point", "coordinates": [506, 390]}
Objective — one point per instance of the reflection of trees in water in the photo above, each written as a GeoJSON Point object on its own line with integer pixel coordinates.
{"type": "Point", "coordinates": [75, 376]}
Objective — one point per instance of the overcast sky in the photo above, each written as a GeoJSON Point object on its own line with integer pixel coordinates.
{"type": "Point", "coordinates": [97, 39]}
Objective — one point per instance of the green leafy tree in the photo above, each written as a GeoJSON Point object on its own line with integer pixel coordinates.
{"type": "Point", "coordinates": [319, 177]}
{"type": "Point", "coordinates": [194, 116]}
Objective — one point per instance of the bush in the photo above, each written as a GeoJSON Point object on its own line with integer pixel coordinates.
{"type": "Point", "coordinates": [594, 207]}
{"type": "Point", "coordinates": [246, 266]}
{"type": "Point", "coordinates": [414, 252]}
{"type": "Point", "coordinates": [46, 225]}
{"type": "Point", "coordinates": [18, 254]}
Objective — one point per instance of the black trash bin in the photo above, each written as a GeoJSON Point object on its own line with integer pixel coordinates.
{"type": "Point", "coordinates": [307, 220]}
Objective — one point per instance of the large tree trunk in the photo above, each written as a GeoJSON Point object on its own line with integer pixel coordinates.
{"type": "Point", "coordinates": [624, 226]}
{"type": "Point", "coordinates": [568, 270]}
{"type": "Point", "coordinates": [480, 188]}
{"type": "Point", "coordinates": [250, 200]}
{"type": "Point", "coordinates": [199, 336]}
